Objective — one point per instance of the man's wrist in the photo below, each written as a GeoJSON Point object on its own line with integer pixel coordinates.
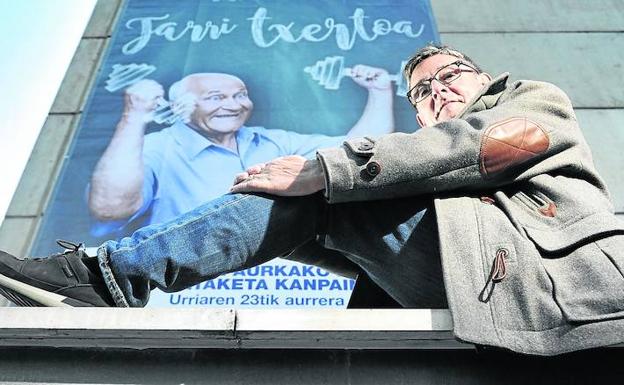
{"type": "Point", "coordinates": [316, 175]}
{"type": "Point", "coordinates": [135, 117]}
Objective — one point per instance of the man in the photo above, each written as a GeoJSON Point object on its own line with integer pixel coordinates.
{"type": "Point", "coordinates": [174, 170]}
{"type": "Point", "coordinates": [498, 183]}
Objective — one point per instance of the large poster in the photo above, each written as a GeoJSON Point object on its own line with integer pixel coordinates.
{"type": "Point", "coordinates": [192, 92]}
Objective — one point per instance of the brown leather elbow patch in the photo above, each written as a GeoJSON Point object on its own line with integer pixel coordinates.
{"type": "Point", "coordinates": [511, 142]}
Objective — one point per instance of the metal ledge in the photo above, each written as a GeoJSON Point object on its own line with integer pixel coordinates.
{"type": "Point", "coordinates": [228, 329]}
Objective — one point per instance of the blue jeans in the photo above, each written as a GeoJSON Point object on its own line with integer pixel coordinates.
{"type": "Point", "coordinates": [394, 241]}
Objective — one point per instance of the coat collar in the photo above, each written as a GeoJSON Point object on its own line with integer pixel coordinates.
{"type": "Point", "coordinates": [488, 96]}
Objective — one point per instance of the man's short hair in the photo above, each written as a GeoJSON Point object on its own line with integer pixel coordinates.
{"type": "Point", "coordinates": [432, 50]}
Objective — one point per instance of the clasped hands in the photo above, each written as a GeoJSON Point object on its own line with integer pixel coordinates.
{"type": "Point", "coordinates": [291, 175]}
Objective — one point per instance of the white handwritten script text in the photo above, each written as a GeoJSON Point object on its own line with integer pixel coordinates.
{"type": "Point", "coordinates": [265, 33]}
{"type": "Point", "coordinates": [171, 31]}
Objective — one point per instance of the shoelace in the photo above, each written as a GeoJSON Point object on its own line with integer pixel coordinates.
{"type": "Point", "coordinates": [498, 272]}
{"type": "Point", "coordinates": [69, 246]}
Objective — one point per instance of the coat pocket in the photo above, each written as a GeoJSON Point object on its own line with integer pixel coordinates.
{"type": "Point", "coordinates": [585, 262]}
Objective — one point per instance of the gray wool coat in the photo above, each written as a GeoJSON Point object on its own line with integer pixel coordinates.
{"type": "Point", "coordinates": [532, 255]}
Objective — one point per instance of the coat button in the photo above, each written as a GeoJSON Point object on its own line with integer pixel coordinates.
{"type": "Point", "coordinates": [373, 168]}
{"type": "Point", "coordinates": [365, 146]}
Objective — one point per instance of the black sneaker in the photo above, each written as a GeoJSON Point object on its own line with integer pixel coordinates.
{"type": "Point", "coordinates": [71, 278]}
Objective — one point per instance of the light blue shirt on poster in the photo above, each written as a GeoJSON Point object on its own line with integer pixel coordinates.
{"type": "Point", "coordinates": [183, 169]}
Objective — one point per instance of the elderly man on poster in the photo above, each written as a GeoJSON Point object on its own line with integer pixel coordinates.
{"type": "Point", "coordinates": [174, 170]}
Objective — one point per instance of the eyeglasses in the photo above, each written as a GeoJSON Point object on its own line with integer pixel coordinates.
{"type": "Point", "coordinates": [445, 75]}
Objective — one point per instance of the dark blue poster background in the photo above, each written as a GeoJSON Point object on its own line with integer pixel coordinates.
{"type": "Point", "coordinates": [292, 56]}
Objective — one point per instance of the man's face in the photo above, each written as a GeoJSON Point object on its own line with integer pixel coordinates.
{"type": "Point", "coordinates": [445, 101]}
{"type": "Point", "coordinates": [222, 103]}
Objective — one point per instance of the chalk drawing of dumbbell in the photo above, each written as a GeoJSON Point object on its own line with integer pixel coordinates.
{"type": "Point", "coordinates": [125, 75]}
{"type": "Point", "coordinates": [330, 71]}
{"type": "Point", "coordinates": [165, 113]}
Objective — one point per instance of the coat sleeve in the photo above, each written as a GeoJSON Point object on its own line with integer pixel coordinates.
{"type": "Point", "coordinates": [529, 129]}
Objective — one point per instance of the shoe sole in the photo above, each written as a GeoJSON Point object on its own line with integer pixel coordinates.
{"type": "Point", "coordinates": [23, 294]}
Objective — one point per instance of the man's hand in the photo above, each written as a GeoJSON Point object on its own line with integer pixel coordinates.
{"type": "Point", "coordinates": [371, 78]}
{"type": "Point", "coordinates": [287, 176]}
{"type": "Point", "coordinates": [141, 99]}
